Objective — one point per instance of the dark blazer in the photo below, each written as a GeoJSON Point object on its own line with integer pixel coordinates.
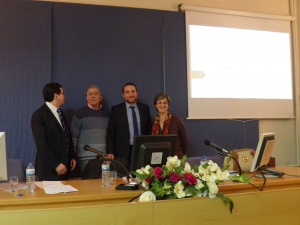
{"type": "Point", "coordinates": [118, 135]}
{"type": "Point", "coordinates": [53, 146]}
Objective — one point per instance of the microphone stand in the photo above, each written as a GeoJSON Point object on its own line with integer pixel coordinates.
{"type": "Point", "coordinates": [128, 175]}
{"type": "Point", "coordinates": [129, 186]}
{"type": "Point", "coordinates": [229, 155]}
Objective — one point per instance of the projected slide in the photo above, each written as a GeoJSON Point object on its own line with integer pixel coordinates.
{"type": "Point", "coordinates": [239, 63]}
{"type": "Point", "coordinates": [238, 67]}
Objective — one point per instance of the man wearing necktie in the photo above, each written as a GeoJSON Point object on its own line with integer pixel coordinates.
{"type": "Point", "coordinates": [55, 156]}
{"type": "Point", "coordinates": [127, 119]}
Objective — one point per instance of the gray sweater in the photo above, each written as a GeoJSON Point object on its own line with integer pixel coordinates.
{"type": "Point", "coordinates": [89, 128]}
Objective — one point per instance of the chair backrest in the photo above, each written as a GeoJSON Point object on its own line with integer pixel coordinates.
{"type": "Point", "coordinates": [244, 158]}
{"type": "Point", "coordinates": [14, 168]}
{"type": "Point", "coordinates": [196, 160]}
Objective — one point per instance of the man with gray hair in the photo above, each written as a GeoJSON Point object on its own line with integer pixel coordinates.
{"type": "Point", "coordinates": [89, 125]}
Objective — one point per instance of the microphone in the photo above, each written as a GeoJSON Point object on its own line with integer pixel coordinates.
{"type": "Point", "coordinates": [129, 186]}
{"type": "Point", "coordinates": [210, 143]}
{"type": "Point", "coordinates": [90, 149]}
{"type": "Point", "coordinates": [222, 151]}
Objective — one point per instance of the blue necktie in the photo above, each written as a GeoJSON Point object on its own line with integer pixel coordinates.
{"type": "Point", "coordinates": [135, 126]}
{"type": "Point", "coordinates": [63, 124]}
{"type": "Point", "coordinates": [61, 118]}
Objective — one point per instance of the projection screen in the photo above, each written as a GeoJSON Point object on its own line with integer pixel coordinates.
{"type": "Point", "coordinates": [238, 66]}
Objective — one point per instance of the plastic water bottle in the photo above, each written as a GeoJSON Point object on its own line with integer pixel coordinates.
{"type": "Point", "coordinates": [105, 173]}
{"type": "Point", "coordinates": [30, 178]}
{"type": "Point", "coordinates": [203, 160]}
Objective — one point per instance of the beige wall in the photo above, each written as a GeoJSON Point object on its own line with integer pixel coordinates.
{"type": "Point", "coordinates": [286, 151]}
{"type": "Point", "coordinates": [262, 6]}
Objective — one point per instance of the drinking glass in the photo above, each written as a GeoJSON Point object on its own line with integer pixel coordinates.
{"type": "Point", "coordinates": [113, 177]}
{"type": "Point", "coordinates": [13, 181]}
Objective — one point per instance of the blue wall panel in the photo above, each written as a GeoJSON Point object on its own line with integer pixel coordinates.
{"type": "Point", "coordinates": [106, 46]}
{"type": "Point", "coordinates": [24, 70]}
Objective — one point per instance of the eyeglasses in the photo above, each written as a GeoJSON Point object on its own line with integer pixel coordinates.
{"type": "Point", "coordinates": [162, 103]}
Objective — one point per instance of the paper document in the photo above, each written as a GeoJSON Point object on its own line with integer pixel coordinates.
{"type": "Point", "coordinates": [55, 187]}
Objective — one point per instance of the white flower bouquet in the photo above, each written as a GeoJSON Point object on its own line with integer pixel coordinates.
{"type": "Point", "coordinates": [177, 180]}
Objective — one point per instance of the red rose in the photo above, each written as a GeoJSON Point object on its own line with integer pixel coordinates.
{"type": "Point", "coordinates": [157, 172]}
{"type": "Point", "coordinates": [175, 177]}
{"type": "Point", "coordinates": [148, 179]}
{"type": "Point", "coordinates": [190, 178]}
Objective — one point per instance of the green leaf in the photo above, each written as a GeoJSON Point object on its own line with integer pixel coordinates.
{"type": "Point", "coordinates": [183, 160]}
{"type": "Point", "coordinates": [205, 188]}
{"type": "Point", "coordinates": [231, 205]}
{"type": "Point", "coordinates": [157, 189]}
{"type": "Point", "coordinates": [226, 200]}
{"type": "Point", "coordinates": [196, 168]}
{"type": "Point", "coordinates": [171, 196]}
{"type": "Point", "coordinates": [164, 167]}
{"type": "Point", "coordinates": [192, 190]}
{"type": "Point", "coordinates": [178, 170]}
{"type": "Point", "coordinates": [227, 165]}
{"type": "Point", "coordinates": [241, 178]}
{"type": "Point", "coordinates": [140, 176]}
{"type": "Point", "coordinates": [205, 165]}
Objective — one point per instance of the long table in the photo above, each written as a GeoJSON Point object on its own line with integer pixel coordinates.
{"type": "Point", "coordinates": [278, 203]}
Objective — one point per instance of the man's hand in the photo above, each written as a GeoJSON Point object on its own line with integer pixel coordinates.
{"type": "Point", "coordinates": [73, 164]}
{"type": "Point", "coordinates": [110, 156]}
{"type": "Point", "coordinates": [61, 169]}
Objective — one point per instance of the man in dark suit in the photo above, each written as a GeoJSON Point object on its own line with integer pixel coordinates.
{"type": "Point", "coordinates": [120, 131]}
{"type": "Point", "coordinates": [55, 156]}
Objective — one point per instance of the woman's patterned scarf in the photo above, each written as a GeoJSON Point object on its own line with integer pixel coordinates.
{"type": "Point", "coordinates": [156, 127]}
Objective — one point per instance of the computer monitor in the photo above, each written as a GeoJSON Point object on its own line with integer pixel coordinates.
{"type": "Point", "coordinates": [152, 150]}
{"type": "Point", "coordinates": [263, 154]}
{"type": "Point", "coordinates": [3, 161]}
